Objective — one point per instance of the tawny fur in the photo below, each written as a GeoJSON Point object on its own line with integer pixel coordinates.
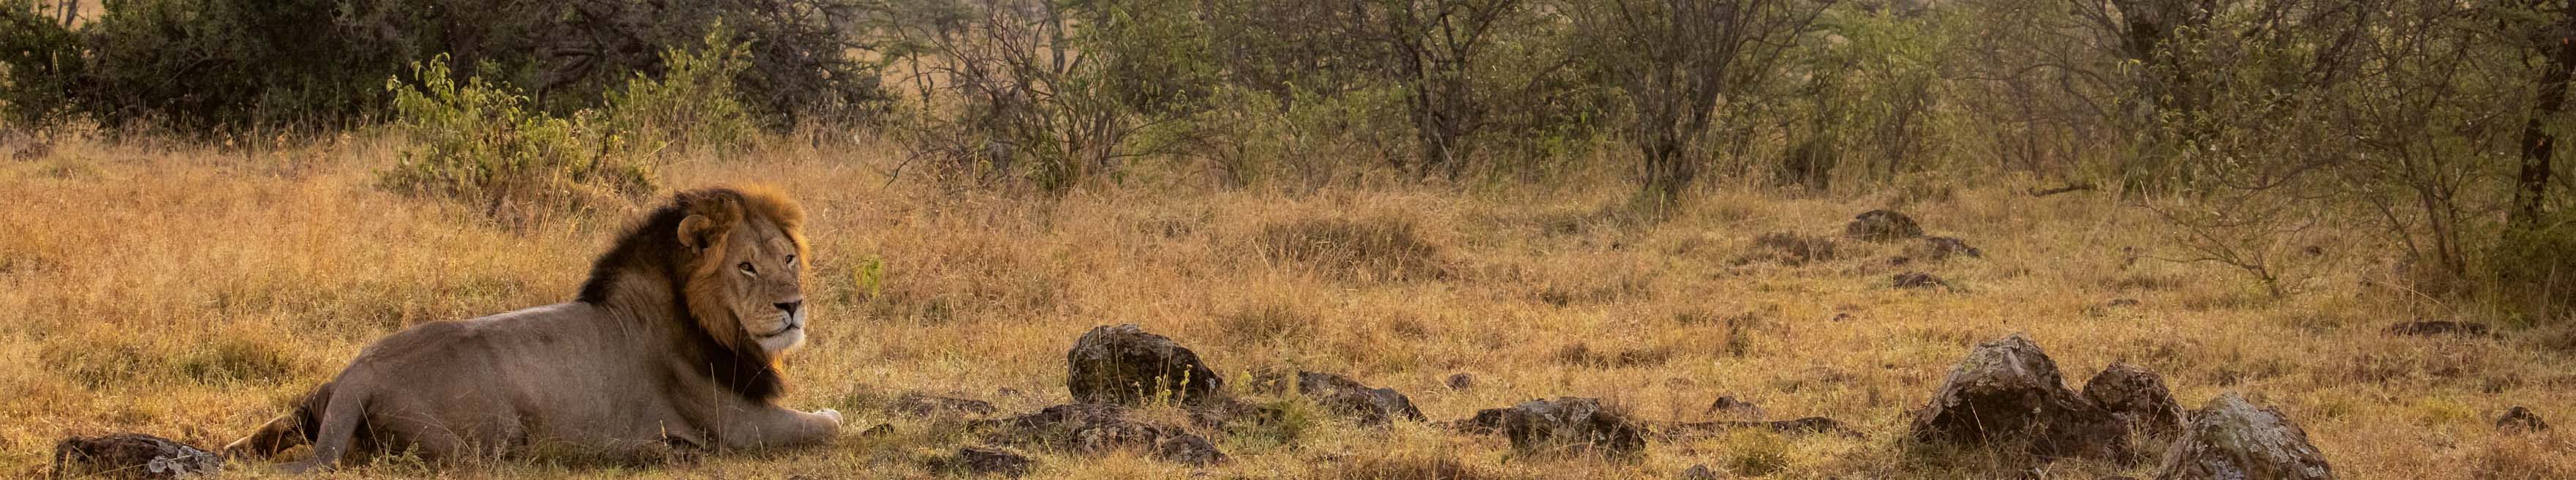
{"type": "Point", "coordinates": [672, 344]}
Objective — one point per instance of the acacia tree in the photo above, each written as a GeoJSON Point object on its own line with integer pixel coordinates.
{"type": "Point", "coordinates": [2555, 40]}
{"type": "Point", "coordinates": [1435, 47]}
{"type": "Point", "coordinates": [1677, 61]}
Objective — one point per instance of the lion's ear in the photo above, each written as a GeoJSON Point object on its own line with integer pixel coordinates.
{"type": "Point", "coordinates": [710, 217]}
{"type": "Point", "coordinates": [699, 232]}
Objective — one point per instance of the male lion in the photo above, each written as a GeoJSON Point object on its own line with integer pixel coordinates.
{"type": "Point", "coordinates": [672, 344]}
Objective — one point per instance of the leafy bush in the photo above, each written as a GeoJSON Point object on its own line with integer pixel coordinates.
{"type": "Point", "coordinates": [488, 146]}
{"type": "Point", "coordinates": [2534, 269]}
{"type": "Point", "coordinates": [209, 66]}
{"type": "Point", "coordinates": [1054, 99]}
{"type": "Point", "coordinates": [202, 66]}
{"type": "Point", "coordinates": [693, 106]}
{"type": "Point", "coordinates": [38, 57]}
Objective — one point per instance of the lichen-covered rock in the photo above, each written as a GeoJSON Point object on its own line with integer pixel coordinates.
{"type": "Point", "coordinates": [1882, 226]}
{"type": "Point", "coordinates": [1124, 365]}
{"type": "Point", "coordinates": [2521, 420]}
{"type": "Point", "coordinates": [2136, 398]}
{"type": "Point", "coordinates": [2229, 439]}
{"type": "Point", "coordinates": [1368, 406]}
{"type": "Point", "coordinates": [1741, 410]}
{"type": "Point", "coordinates": [1699, 472]}
{"type": "Point", "coordinates": [1942, 248]}
{"type": "Point", "coordinates": [1095, 428]}
{"type": "Point", "coordinates": [132, 455]}
{"type": "Point", "coordinates": [2009, 396]}
{"type": "Point", "coordinates": [1188, 449]}
{"type": "Point", "coordinates": [1564, 424]}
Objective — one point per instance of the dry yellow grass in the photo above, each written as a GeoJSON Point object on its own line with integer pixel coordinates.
{"type": "Point", "coordinates": [190, 293]}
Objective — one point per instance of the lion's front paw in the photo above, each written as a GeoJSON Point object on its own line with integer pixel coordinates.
{"type": "Point", "coordinates": [835, 415]}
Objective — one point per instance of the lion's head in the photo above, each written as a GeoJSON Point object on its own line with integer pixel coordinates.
{"type": "Point", "coordinates": [745, 263]}
{"type": "Point", "coordinates": [735, 259]}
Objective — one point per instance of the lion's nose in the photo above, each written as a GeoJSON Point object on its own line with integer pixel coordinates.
{"type": "Point", "coordinates": [790, 307]}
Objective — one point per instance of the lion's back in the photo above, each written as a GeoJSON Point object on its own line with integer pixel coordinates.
{"type": "Point", "coordinates": [497, 374]}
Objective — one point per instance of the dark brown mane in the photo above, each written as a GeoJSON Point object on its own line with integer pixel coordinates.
{"type": "Point", "coordinates": [652, 248]}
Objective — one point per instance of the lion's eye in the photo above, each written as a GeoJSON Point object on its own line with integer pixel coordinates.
{"type": "Point", "coordinates": [791, 259]}
{"type": "Point", "coordinates": [746, 268]}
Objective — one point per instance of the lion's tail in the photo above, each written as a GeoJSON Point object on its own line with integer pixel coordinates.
{"type": "Point", "coordinates": [336, 432]}
{"type": "Point", "coordinates": [285, 431]}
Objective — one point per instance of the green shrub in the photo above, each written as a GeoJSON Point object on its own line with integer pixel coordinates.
{"type": "Point", "coordinates": [487, 146]}
{"type": "Point", "coordinates": [217, 66]}
{"type": "Point", "coordinates": [2534, 269]}
{"type": "Point", "coordinates": [38, 58]}
{"type": "Point", "coordinates": [693, 106]}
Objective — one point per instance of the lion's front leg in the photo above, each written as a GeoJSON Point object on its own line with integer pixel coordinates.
{"type": "Point", "coordinates": [771, 426]}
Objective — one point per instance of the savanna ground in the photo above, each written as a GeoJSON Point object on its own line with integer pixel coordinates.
{"type": "Point", "coordinates": [191, 292]}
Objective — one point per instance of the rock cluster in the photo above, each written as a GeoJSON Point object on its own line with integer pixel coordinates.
{"type": "Point", "coordinates": [132, 455]}
{"type": "Point", "coordinates": [2009, 395]}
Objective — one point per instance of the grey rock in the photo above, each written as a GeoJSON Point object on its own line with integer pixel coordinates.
{"type": "Point", "coordinates": [1700, 472]}
{"type": "Point", "coordinates": [1882, 226]}
{"type": "Point", "coordinates": [1940, 248]}
{"type": "Point", "coordinates": [2521, 420]}
{"type": "Point", "coordinates": [1124, 365]}
{"type": "Point", "coordinates": [1738, 408]}
{"type": "Point", "coordinates": [2230, 439]}
{"type": "Point", "coordinates": [1368, 406]}
{"type": "Point", "coordinates": [2136, 398]}
{"type": "Point", "coordinates": [1564, 424]}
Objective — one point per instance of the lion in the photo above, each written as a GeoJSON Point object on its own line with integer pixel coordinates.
{"type": "Point", "coordinates": [671, 347]}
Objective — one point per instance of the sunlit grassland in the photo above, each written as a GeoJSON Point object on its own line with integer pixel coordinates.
{"type": "Point", "coordinates": [191, 292]}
